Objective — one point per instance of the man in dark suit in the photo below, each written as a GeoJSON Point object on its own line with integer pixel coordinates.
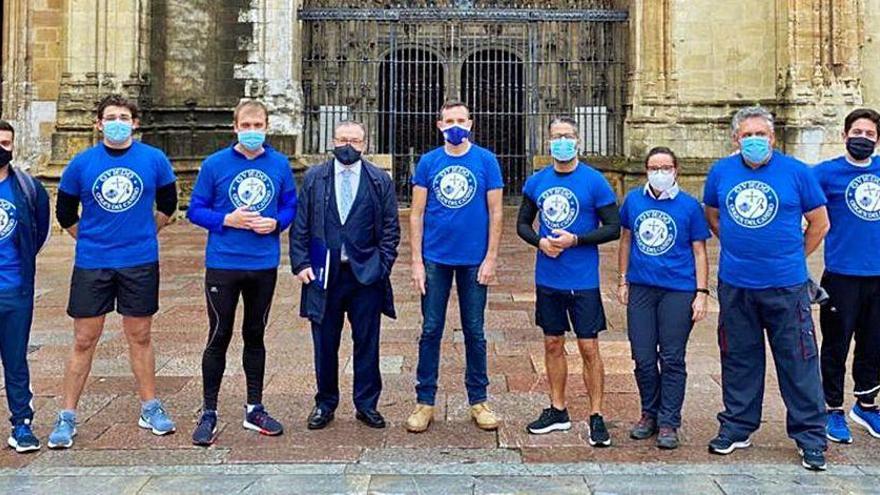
{"type": "Point", "coordinates": [349, 210]}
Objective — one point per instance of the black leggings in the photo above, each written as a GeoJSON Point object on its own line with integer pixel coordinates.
{"type": "Point", "coordinates": [222, 289]}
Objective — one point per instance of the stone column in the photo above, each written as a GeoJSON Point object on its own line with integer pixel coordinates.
{"type": "Point", "coordinates": [272, 71]}
{"type": "Point", "coordinates": [107, 50]}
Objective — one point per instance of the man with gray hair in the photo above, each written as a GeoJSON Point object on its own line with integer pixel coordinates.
{"type": "Point", "coordinates": [755, 202]}
{"type": "Point", "coordinates": [342, 246]}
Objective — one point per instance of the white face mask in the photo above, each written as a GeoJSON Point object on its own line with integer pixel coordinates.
{"type": "Point", "coordinates": [661, 180]}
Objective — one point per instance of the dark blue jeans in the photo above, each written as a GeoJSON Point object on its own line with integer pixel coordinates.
{"type": "Point", "coordinates": [785, 314]}
{"type": "Point", "coordinates": [16, 314]}
{"type": "Point", "coordinates": [472, 303]}
{"type": "Point", "coordinates": [659, 324]}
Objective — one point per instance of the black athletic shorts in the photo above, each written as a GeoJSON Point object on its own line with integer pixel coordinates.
{"type": "Point", "coordinates": [560, 311]}
{"type": "Point", "coordinates": [131, 291]}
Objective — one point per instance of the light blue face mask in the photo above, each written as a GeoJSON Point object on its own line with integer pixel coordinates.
{"type": "Point", "coordinates": [117, 131]}
{"type": "Point", "coordinates": [252, 140]}
{"type": "Point", "coordinates": [563, 149]}
{"type": "Point", "coordinates": [755, 149]}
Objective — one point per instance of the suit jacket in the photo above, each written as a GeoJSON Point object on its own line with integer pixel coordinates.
{"type": "Point", "coordinates": [371, 253]}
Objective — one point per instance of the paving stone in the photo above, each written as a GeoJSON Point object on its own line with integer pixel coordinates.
{"type": "Point", "coordinates": [309, 485]}
{"type": "Point", "coordinates": [143, 457]}
{"type": "Point", "coordinates": [507, 485]}
{"type": "Point", "coordinates": [436, 456]}
{"type": "Point", "coordinates": [172, 485]}
{"type": "Point", "coordinates": [641, 484]}
{"type": "Point", "coordinates": [807, 483]}
{"type": "Point", "coordinates": [73, 486]}
{"type": "Point", "coordinates": [435, 485]}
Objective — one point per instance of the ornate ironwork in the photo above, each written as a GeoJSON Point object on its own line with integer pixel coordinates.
{"type": "Point", "coordinates": [462, 14]}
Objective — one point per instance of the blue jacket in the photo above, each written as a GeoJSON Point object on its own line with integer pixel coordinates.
{"type": "Point", "coordinates": [33, 226]}
{"type": "Point", "coordinates": [370, 265]}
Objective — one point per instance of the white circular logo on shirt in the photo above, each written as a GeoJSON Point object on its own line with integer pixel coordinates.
{"type": "Point", "coordinates": [559, 207]}
{"type": "Point", "coordinates": [251, 188]}
{"type": "Point", "coordinates": [752, 204]}
{"type": "Point", "coordinates": [863, 197]}
{"type": "Point", "coordinates": [655, 232]}
{"type": "Point", "coordinates": [7, 219]}
{"type": "Point", "coordinates": [117, 189]}
{"type": "Point", "coordinates": [455, 186]}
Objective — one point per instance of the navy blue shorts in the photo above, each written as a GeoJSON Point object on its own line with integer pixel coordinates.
{"type": "Point", "coordinates": [132, 291]}
{"type": "Point", "coordinates": [561, 311]}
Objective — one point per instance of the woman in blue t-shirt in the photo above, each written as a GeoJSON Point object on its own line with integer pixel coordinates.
{"type": "Point", "coordinates": [663, 276]}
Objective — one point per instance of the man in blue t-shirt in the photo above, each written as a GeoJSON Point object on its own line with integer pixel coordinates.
{"type": "Point", "coordinates": [755, 202]}
{"type": "Point", "coordinates": [24, 229]}
{"type": "Point", "coordinates": [455, 230]}
{"type": "Point", "coordinates": [852, 276]}
{"type": "Point", "coordinates": [117, 255]}
{"type": "Point", "coordinates": [572, 198]}
{"type": "Point", "coordinates": [245, 197]}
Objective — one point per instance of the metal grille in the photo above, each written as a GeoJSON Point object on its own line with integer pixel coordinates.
{"type": "Point", "coordinates": [516, 67]}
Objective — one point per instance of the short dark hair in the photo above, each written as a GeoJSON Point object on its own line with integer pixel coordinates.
{"type": "Point", "coordinates": [861, 113]}
{"type": "Point", "coordinates": [6, 126]}
{"type": "Point", "coordinates": [563, 120]}
{"type": "Point", "coordinates": [451, 104]}
{"type": "Point", "coordinates": [661, 150]}
{"type": "Point", "coordinates": [117, 100]}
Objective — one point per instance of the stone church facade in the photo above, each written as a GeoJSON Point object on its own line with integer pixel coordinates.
{"type": "Point", "coordinates": [634, 73]}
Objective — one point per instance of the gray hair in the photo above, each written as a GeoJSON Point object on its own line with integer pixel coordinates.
{"type": "Point", "coordinates": [346, 123]}
{"type": "Point", "coordinates": [564, 120]}
{"type": "Point", "coordinates": [747, 113]}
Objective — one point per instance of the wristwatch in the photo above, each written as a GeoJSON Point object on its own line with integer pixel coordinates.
{"type": "Point", "coordinates": [703, 291]}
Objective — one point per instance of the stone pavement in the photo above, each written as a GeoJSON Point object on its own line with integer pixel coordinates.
{"type": "Point", "coordinates": [453, 454]}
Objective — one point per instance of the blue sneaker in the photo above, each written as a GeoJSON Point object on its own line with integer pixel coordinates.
{"type": "Point", "coordinates": [836, 428]}
{"type": "Point", "coordinates": [869, 418]}
{"type": "Point", "coordinates": [64, 431]}
{"type": "Point", "coordinates": [206, 430]}
{"type": "Point", "coordinates": [154, 418]}
{"type": "Point", "coordinates": [23, 439]}
{"type": "Point", "coordinates": [259, 420]}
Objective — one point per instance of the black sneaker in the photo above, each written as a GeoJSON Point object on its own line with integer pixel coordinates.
{"type": "Point", "coordinates": [722, 445]}
{"type": "Point", "coordinates": [645, 428]}
{"type": "Point", "coordinates": [206, 430]}
{"type": "Point", "coordinates": [813, 459]}
{"type": "Point", "coordinates": [551, 419]}
{"type": "Point", "coordinates": [599, 436]}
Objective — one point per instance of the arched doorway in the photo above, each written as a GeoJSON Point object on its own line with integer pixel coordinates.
{"type": "Point", "coordinates": [493, 84]}
{"type": "Point", "coordinates": [411, 90]}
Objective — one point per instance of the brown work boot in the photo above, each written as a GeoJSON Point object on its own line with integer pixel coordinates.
{"type": "Point", "coordinates": [484, 417]}
{"type": "Point", "coordinates": [420, 418]}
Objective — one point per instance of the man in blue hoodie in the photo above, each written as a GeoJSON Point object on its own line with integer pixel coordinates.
{"type": "Point", "coordinates": [245, 197]}
{"type": "Point", "coordinates": [24, 228]}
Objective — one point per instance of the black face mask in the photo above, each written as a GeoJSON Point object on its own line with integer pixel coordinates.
{"type": "Point", "coordinates": [5, 157]}
{"type": "Point", "coordinates": [346, 154]}
{"type": "Point", "coordinates": [860, 148]}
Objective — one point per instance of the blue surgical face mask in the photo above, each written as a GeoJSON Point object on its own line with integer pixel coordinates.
{"type": "Point", "coordinates": [252, 140]}
{"type": "Point", "coordinates": [455, 134]}
{"type": "Point", "coordinates": [755, 149]}
{"type": "Point", "coordinates": [117, 131]}
{"type": "Point", "coordinates": [563, 149]}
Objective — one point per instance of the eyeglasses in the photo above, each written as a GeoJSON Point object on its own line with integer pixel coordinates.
{"type": "Point", "coordinates": [356, 141]}
{"type": "Point", "coordinates": [664, 168]}
{"type": "Point", "coordinates": [561, 136]}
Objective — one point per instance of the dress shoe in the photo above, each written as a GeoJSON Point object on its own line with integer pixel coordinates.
{"type": "Point", "coordinates": [319, 418]}
{"type": "Point", "coordinates": [371, 418]}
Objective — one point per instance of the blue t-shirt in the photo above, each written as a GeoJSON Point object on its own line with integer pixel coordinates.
{"type": "Point", "coordinates": [569, 202]}
{"type": "Point", "coordinates": [10, 259]}
{"type": "Point", "coordinates": [854, 209]}
{"type": "Point", "coordinates": [456, 230]}
{"type": "Point", "coordinates": [117, 228]}
{"type": "Point", "coordinates": [762, 242]}
{"type": "Point", "coordinates": [663, 232]}
{"type": "Point", "coordinates": [227, 181]}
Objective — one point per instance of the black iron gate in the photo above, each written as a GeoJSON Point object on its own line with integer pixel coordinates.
{"type": "Point", "coordinates": [516, 66]}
